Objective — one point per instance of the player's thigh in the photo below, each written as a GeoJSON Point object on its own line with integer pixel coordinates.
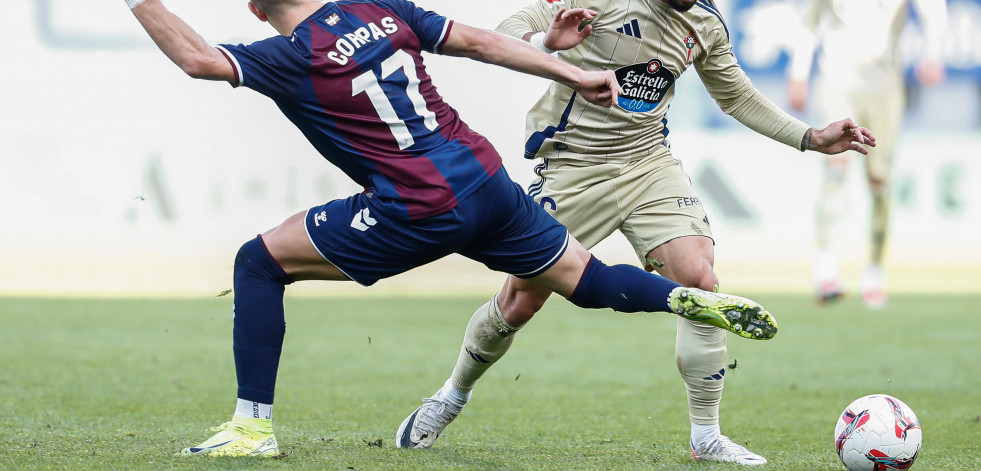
{"type": "Point", "coordinates": [581, 196]}
{"type": "Point", "coordinates": [663, 208]}
{"type": "Point", "coordinates": [289, 246]}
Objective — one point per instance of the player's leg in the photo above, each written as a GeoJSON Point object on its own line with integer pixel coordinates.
{"type": "Point", "coordinates": [670, 232]}
{"type": "Point", "coordinates": [263, 268]}
{"type": "Point", "coordinates": [700, 351]}
{"type": "Point", "coordinates": [493, 326]}
{"type": "Point", "coordinates": [564, 188]}
{"type": "Point", "coordinates": [834, 104]}
{"type": "Point", "coordinates": [830, 204]}
{"type": "Point", "coordinates": [491, 331]}
{"type": "Point", "coordinates": [487, 338]}
{"type": "Point", "coordinates": [884, 114]}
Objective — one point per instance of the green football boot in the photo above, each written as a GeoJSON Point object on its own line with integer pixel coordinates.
{"type": "Point", "coordinates": [240, 437]}
{"type": "Point", "coordinates": [738, 315]}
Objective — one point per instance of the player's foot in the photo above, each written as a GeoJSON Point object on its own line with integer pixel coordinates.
{"type": "Point", "coordinates": [738, 315]}
{"type": "Point", "coordinates": [873, 287]}
{"type": "Point", "coordinates": [829, 291]}
{"type": "Point", "coordinates": [826, 280]}
{"type": "Point", "coordinates": [240, 437]}
{"type": "Point", "coordinates": [423, 426]}
{"type": "Point", "coordinates": [720, 448]}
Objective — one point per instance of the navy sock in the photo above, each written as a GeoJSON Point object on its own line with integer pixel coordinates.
{"type": "Point", "coordinates": [623, 288]}
{"type": "Point", "coordinates": [260, 322]}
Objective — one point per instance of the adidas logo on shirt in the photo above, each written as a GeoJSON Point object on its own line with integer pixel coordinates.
{"type": "Point", "coordinates": [630, 29]}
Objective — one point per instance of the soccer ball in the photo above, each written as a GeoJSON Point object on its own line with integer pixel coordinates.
{"type": "Point", "coordinates": [878, 433]}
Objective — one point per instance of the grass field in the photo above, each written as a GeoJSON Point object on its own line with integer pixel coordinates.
{"type": "Point", "coordinates": [123, 384]}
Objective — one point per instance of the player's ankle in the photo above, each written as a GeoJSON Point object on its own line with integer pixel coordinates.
{"type": "Point", "coordinates": [252, 410]}
{"type": "Point", "coordinates": [702, 433]}
{"type": "Point", "coordinates": [451, 394]}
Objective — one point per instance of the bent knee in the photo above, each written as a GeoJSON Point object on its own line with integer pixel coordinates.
{"type": "Point", "coordinates": [518, 307]}
{"type": "Point", "coordinates": [704, 278]}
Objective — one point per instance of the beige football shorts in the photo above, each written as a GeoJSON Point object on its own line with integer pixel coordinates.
{"type": "Point", "coordinates": [650, 200]}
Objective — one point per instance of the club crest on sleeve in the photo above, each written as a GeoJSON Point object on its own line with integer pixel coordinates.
{"type": "Point", "coordinates": [333, 19]}
{"type": "Point", "coordinates": [690, 42]}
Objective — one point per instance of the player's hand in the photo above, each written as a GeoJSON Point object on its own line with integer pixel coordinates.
{"type": "Point", "coordinates": [930, 73]}
{"type": "Point", "coordinates": [797, 95]}
{"type": "Point", "coordinates": [564, 32]}
{"type": "Point", "coordinates": [838, 137]}
{"type": "Point", "coordinates": [599, 87]}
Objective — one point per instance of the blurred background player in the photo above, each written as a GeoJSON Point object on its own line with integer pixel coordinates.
{"type": "Point", "coordinates": [350, 76]}
{"type": "Point", "coordinates": [609, 169]}
{"type": "Point", "coordinates": [860, 75]}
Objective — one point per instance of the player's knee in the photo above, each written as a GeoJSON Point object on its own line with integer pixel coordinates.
{"type": "Point", "coordinates": [253, 261]}
{"type": "Point", "coordinates": [518, 307]}
{"type": "Point", "coordinates": [703, 278]}
{"type": "Point", "coordinates": [878, 186]}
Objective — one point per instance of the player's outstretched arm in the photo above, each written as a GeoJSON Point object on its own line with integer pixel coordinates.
{"type": "Point", "coordinates": [838, 137]}
{"type": "Point", "coordinates": [599, 87]}
{"type": "Point", "coordinates": [180, 42]}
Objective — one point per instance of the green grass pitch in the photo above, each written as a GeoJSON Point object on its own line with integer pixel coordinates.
{"type": "Point", "coordinates": [123, 384]}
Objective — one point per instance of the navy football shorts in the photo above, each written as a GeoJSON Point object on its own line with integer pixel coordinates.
{"type": "Point", "coordinates": [498, 225]}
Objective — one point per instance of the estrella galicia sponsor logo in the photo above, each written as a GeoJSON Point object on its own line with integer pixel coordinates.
{"type": "Point", "coordinates": [643, 86]}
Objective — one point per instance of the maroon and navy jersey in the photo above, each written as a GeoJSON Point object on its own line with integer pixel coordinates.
{"type": "Point", "coordinates": [351, 78]}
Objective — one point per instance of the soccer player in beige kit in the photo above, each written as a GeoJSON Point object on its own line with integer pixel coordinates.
{"type": "Point", "coordinates": [604, 170]}
{"type": "Point", "coordinates": [869, 86]}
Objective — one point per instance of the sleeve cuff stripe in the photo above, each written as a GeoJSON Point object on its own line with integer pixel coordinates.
{"type": "Point", "coordinates": [447, 26]}
{"type": "Point", "coordinates": [239, 76]}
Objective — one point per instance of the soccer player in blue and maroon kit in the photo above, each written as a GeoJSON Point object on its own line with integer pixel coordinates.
{"type": "Point", "coordinates": [350, 76]}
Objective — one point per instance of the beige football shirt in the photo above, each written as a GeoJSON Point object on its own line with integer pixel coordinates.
{"type": "Point", "coordinates": [649, 45]}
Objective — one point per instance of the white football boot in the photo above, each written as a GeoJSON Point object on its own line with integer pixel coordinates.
{"type": "Point", "coordinates": [423, 426]}
{"type": "Point", "coordinates": [720, 448]}
{"type": "Point", "coordinates": [827, 283]}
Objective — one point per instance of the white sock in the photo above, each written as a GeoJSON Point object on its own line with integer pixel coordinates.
{"type": "Point", "coordinates": [253, 410]}
{"type": "Point", "coordinates": [454, 395]}
{"type": "Point", "coordinates": [701, 433]}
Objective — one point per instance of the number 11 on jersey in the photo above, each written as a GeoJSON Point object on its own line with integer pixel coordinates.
{"type": "Point", "coordinates": [368, 83]}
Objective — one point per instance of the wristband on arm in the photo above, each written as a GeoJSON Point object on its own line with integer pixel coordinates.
{"type": "Point", "coordinates": [134, 3]}
{"type": "Point", "coordinates": [537, 40]}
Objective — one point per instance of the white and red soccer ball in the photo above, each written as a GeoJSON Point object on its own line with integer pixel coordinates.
{"type": "Point", "coordinates": [878, 433]}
